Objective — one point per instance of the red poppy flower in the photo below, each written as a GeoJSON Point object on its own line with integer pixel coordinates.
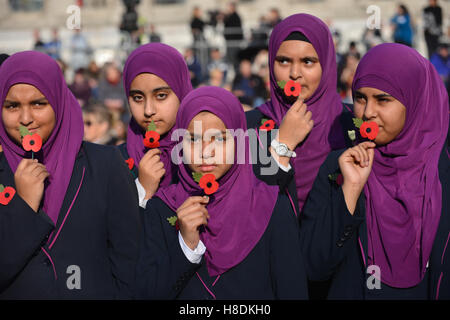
{"type": "Point", "coordinates": [6, 195]}
{"type": "Point", "coordinates": [208, 183]}
{"type": "Point", "coordinates": [292, 88]}
{"type": "Point", "coordinates": [32, 142]}
{"type": "Point", "coordinates": [177, 225]}
{"type": "Point", "coordinates": [151, 139]}
{"type": "Point", "coordinates": [268, 125]}
{"type": "Point", "coordinates": [130, 162]}
{"type": "Point", "coordinates": [369, 130]}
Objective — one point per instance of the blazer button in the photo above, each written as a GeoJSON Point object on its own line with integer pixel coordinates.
{"type": "Point", "coordinates": [340, 244]}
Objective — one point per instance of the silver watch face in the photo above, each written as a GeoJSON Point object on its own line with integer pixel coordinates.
{"type": "Point", "coordinates": [282, 149]}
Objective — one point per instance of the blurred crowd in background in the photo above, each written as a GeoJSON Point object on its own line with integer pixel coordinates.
{"type": "Point", "coordinates": [240, 66]}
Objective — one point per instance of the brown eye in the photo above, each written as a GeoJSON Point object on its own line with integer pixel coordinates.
{"type": "Point", "coordinates": [11, 106]}
{"type": "Point", "coordinates": [137, 98]}
{"type": "Point", "coordinates": [161, 95]}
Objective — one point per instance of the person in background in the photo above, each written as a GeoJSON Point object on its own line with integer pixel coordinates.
{"type": "Point", "coordinates": [111, 89]}
{"type": "Point", "coordinates": [441, 61]}
{"type": "Point", "coordinates": [39, 45]}
{"type": "Point", "coordinates": [80, 49]}
{"type": "Point", "coordinates": [402, 26]}
{"type": "Point", "coordinates": [194, 67]}
{"type": "Point", "coordinates": [97, 125]}
{"type": "Point", "coordinates": [233, 33]}
{"type": "Point", "coordinates": [432, 18]}
{"type": "Point", "coordinates": [154, 36]}
{"type": "Point", "coordinates": [80, 87]}
{"type": "Point", "coordinates": [53, 48]}
{"type": "Point", "coordinates": [248, 87]}
{"type": "Point", "coordinates": [217, 62]}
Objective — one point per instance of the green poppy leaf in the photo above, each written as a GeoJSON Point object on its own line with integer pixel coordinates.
{"type": "Point", "coordinates": [263, 120]}
{"type": "Point", "coordinates": [197, 176]}
{"type": "Point", "coordinates": [281, 84]}
{"type": "Point", "coordinates": [358, 122]}
{"type": "Point", "coordinates": [2, 188]}
{"type": "Point", "coordinates": [151, 126]}
{"type": "Point", "coordinates": [172, 220]}
{"type": "Point", "coordinates": [24, 131]}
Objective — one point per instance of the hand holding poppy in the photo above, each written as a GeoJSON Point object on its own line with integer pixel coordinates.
{"type": "Point", "coordinates": [29, 180]}
{"type": "Point", "coordinates": [356, 164]}
{"type": "Point", "coordinates": [296, 125]}
{"type": "Point", "coordinates": [192, 214]}
{"type": "Point", "coordinates": [151, 171]}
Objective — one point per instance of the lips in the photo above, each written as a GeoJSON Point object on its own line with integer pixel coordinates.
{"type": "Point", "coordinates": [207, 168]}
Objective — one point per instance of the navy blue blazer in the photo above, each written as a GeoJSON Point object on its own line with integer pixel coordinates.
{"type": "Point", "coordinates": [274, 269]}
{"type": "Point", "coordinates": [92, 251]}
{"type": "Point", "coordinates": [335, 243]}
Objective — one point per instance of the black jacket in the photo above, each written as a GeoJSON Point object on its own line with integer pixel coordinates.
{"type": "Point", "coordinates": [274, 269]}
{"type": "Point", "coordinates": [92, 251]}
{"type": "Point", "coordinates": [335, 243]}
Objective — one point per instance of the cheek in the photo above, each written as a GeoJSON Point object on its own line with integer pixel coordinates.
{"type": "Point", "coordinates": [358, 109]}
{"type": "Point", "coordinates": [313, 77]}
{"type": "Point", "coordinates": [168, 113]}
{"type": "Point", "coordinates": [229, 151]}
{"type": "Point", "coordinates": [48, 122]}
{"type": "Point", "coordinates": [393, 122]}
{"type": "Point", "coordinates": [280, 73]}
{"type": "Point", "coordinates": [11, 122]}
{"type": "Point", "coordinates": [136, 109]}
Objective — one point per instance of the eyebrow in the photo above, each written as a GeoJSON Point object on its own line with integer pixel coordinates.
{"type": "Point", "coordinates": [43, 99]}
{"type": "Point", "coordinates": [281, 57]}
{"type": "Point", "coordinates": [133, 91]}
{"type": "Point", "coordinates": [382, 95]}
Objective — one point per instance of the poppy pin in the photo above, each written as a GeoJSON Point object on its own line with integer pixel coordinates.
{"type": "Point", "coordinates": [174, 222]}
{"type": "Point", "coordinates": [130, 163]}
{"type": "Point", "coordinates": [151, 138]}
{"type": "Point", "coordinates": [367, 129]}
{"type": "Point", "coordinates": [291, 88]}
{"type": "Point", "coordinates": [6, 194]}
{"type": "Point", "coordinates": [30, 142]}
{"type": "Point", "coordinates": [267, 125]}
{"type": "Point", "coordinates": [207, 182]}
{"type": "Point", "coordinates": [337, 178]}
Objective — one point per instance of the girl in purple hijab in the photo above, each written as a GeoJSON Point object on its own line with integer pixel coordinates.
{"type": "Point", "coordinates": [384, 231]}
{"type": "Point", "coordinates": [156, 79]}
{"type": "Point", "coordinates": [236, 238]}
{"type": "Point", "coordinates": [68, 213]}
{"type": "Point", "coordinates": [301, 52]}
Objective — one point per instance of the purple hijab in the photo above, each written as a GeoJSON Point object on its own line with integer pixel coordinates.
{"type": "Point", "coordinates": [239, 215]}
{"type": "Point", "coordinates": [325, 103]}
{"type": "Point", "coordinates": [61, 148]}
{"type": "Point", "coordinates": [403, 192]}
{"type": "Point", "coordinates": [168, 64]}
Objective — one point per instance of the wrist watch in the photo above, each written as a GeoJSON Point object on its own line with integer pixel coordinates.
{"type": "Point", "coordinates": [282, 149]}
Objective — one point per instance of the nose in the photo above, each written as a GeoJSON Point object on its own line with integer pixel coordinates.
{"type": "Point", "coordinates": [295, 72]}
{"type": "Point", "coordinates": [26, 116]}
{"type": "Point", "coordinates": [370, 110]}
{"type": "Point", "coordinates": [209, 149]}
{"type": "Point", "coordinates": [149, 109]}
